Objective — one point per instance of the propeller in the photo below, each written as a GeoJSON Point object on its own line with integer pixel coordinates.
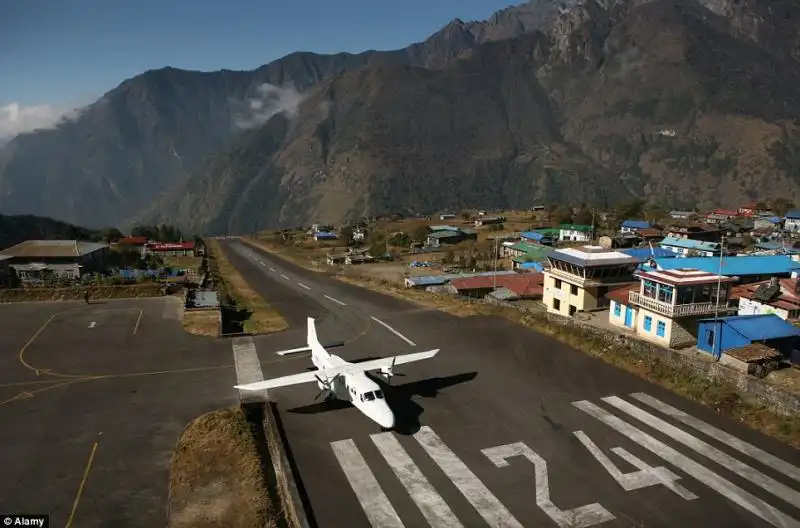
{"type": "Point", "coordinates": [325, 387]}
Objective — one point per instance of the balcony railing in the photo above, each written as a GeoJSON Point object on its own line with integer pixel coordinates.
{"type": "Point", "coordinates": [589, 282]}
{"type": "Point", "coordinates": [680, 310]}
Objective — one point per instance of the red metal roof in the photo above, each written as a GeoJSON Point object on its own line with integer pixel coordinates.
{"type": "Point", "coordinates": [620, 294]}
{"type": "Point", "coordinates": [132, 241]}
{"type": "Point", "coordinates": [524, 285]}
{"type": "Point", "coordinates": [787, 300]}
{"type": "Point", "coordinates": [178, 246]}
{"type": "Point", "coordinates": [726, 212]}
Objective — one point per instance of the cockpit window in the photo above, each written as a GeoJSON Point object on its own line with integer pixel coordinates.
{"type": "Point", "coordinates": [369, 396]}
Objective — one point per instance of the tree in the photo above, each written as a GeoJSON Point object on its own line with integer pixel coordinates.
{"type": "Point", "coordinates": [421, 233]}
{"type": "Point", "coordinates": [378, 248]}
{"type": "Point", "coordinates": [449, 256]}
{"type": "Point", "coordinates": [346, 234]}
{"type": "Point", "coordinates": [561, 214]}
{"type": "Point", "coordinates": [110, 234]}
{"type": "Point", "coordinates": [583, 217]}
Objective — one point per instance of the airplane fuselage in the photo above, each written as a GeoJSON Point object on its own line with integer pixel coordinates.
{"type": "Point", "coordinates": [357, 388]}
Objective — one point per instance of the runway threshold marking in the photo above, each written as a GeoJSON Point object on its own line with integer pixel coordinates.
{"type": "Point", "coordinates": [80, 488]}
{"type": "Point", "coordinates": [303, 286]}
{"type": "Point", "coordinates": [272, 269]}
{"type": "Point", "coordinates": [369, 493]}
{"type": "Point", "coordinates": [761, 480]}
{"type": "Point", "coordinates": [430, 503]}
{"type": "Point", "coordinates": [395, 332]}
{"type": "Point", "coordinates": [731, 441]}
{"type": "Point", "coordinates": [284, 277]}
{"type": "Point", "coordinates": [701, 473]}
{"type": "Point", "coordinates": [337, 301]}
{"type": "Point", "coordinates": [92, 324]}
{"type": "Point", "coordinates": [248, 368]}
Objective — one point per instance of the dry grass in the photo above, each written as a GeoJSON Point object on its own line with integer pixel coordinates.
{"type": "Point", "coordinates": [215, 476]}
{"type": "Point", "coordinates": [263, 318]}
{"type": "Point", "coordinates": [194, 263]}
{"type": "Point", "coordinates": [313, 260]}
{"type": "Point", "coordinates": [201, 322]}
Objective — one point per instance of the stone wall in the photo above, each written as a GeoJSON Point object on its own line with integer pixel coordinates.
{"type": "Point", "coordinates": [772, 396]}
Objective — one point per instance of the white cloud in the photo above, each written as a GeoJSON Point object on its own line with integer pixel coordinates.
{"type": "Point", "coordinates": [270, 100]}
{"type": "Point", "coordinates": [18, 119]}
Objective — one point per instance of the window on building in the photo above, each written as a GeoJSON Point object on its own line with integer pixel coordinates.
{"type": "Point", "coordinates": [617, 309]}
{"type": "Point", "coordinates": [710, 338]}
{"type": "Point", "coordinates": [557, 305]}
{"type": "Point", "coordinates": [573, 289]}
{"type": "Point", "coordinates": [572, 310]}
{"type": "Point", "coordinates": [650, 289]}
{"type": "Point", "coordinates": [648, 323]}
{"type": "Point", "coordinates": [557, 283]}
{"type": "Point", "coordinates": [661, 329]}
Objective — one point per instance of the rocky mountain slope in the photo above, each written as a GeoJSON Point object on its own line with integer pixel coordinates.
{"type": "Point", "coordinates": [659, 100]}
{"type": "Point", "coordinates": [687, 102]}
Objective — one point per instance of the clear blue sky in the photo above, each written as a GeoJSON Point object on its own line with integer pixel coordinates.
{"type": "Point", "coordinates": [61, 51]}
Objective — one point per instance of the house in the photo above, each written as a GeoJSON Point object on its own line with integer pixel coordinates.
{"type": "Point", "coordinates": [774, 296]}
{"type": "Point", "coordinates": [650, 234]}
{"type": "Point", "coordinates": [750, 209]}
{"type": "Point", "coordinates": [35, 260]}
{"type": "Point", "coordinates": [577, 279]}
{"type": "Point", "coordinates": [521, 249]}
{"type": "Point", "coordinates": [622, 240]}
{"type": "Point", "coordinates": [357, 259]}
{"type": "Point", "coordinates": [720, 216]}
{"type": "Point", "coordinates": [132, 242]}
{"type": "Point", "coordinates": [747, 269]}
{"type": "Point", "coordinates": [694, 230]}
{"type": "Point", "coordinates": [768, 223]}
{"type": "Point", "coordinates": [541, 236]}
{"type": "Point", "coordinates": [444, 227]}
{"type": "Point", "coordinates": [791, 221]}
{"type": "Point", "coordinates": [176, 249]}
{"type": "Point", "coordinates": [685, 247]}
{"type": "Point", "coordinates": [717, 336]}
{"type": "Point", "coordinates": [333, 259]}
{"type": "Point", "coordinates": [325, 235]}
{"type": "Point", "coordinates": [665, 305]}
{"type": "Point", "coordinates": [489, 220]}
{"type": "Point", "coordinates": [632, 226]}
{"type": "Point", "coordinates": [427, 281]}
{"type": "Point", "coordinates": [682, 215]}
{"type": "Point", "coordinates": [522, 286]}
{"type": "Point", "coordinates": [447, 216]}
{"type": "Point", "coordinates": [575, 233]}
{"type": "Point", "coordinates": [756, 359]}
{"type": "Point", "coordinates": [439, 238]}
{"type": "Point", "coordinates": [523, 255]}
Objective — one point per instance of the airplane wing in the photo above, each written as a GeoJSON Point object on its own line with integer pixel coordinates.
{"type": "Point", "coordinates": [283, 381]}
{"type": "Point", "coordinates": [376, 364]}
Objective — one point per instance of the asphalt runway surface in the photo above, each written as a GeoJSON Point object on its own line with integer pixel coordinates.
{"type": "Point", "coordinates": [504, 427]}
{"type": "Point", "coordinates": [93, 399]}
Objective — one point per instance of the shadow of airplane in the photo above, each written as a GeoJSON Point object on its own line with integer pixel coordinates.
{"type": "Point", "coordinates": [399, 397]}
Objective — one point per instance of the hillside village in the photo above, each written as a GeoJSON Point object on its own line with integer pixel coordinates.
{"type": "Point", "coordinates": [722, 283]}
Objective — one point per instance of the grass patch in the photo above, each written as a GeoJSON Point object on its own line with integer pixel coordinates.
{"type": "Point", "coordinates": [289, 252]}
{"type": "Point", "coordinates": [260, 317]}
{"type": "Point", "coordinates": [192, 263]}
{"type": "Point", "coordinates": [201, 322]}
{"type": "Point", "coordinates": [215, 476]}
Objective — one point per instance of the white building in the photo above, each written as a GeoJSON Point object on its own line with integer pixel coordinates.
{"type": "Point", "coordinates": [792, 221]}
{"type": "Point", "coordinates": [665, 305]}
{"type": "Point", "coordinates": [575, 233]}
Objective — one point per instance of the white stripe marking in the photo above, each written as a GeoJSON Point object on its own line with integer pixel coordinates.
{"type": "Point", "coordinates": [645, 477]}
{"type": "Point", "coordinates": [284, 277]}
{"type": "Point", "coordinates": [272, 269]}
{"type": "Point", "coordinates": [740, 468]}
{"type": "Point", "coordinates": [337, 301]}
{"type": "Point", "coordinates": [248, 368]}
{"type": "Point", "coordinates": [303, 285]}
{"type": "Point", "coordinates": [261, 262]}
{"type": "Point", "coordinates": [395, 332]}
{"type": "Point", "coordinates": [368, 492]}
{"type": "Point", "coordinates": [486, 504]}
{"type": "Point", "coordinates": [717, 483]}
{"type": "Point", "coordinates": [730, 440]}
{"type": "Point", "coordinates": [91, 325]}
{"type": "Point", "coordinates": [430, 503]}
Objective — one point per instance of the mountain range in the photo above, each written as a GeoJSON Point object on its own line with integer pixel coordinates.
{"type": "Point", "coordinates": [681, 102]}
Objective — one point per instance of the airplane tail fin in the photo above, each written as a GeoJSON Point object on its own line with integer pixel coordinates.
{"type": "Point", "coordinates": [312, 343]}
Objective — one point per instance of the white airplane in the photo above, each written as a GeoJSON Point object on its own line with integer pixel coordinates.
{"type": "Point", "coordinates": [344, 380]}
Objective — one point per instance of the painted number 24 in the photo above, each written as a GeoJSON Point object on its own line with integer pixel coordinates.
{"type": "Point", "coordinates": [590, 514]}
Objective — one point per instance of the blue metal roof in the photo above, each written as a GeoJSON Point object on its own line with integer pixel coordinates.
{"type": "Point", "coordinates": [643, 254]}
{"type": "Point", "coordinates": [774, 219]}
{"type": "Point", "coordinates": [325, 234]}
{"type": "Point", "coordinates": [794, 215]}
{"type": "Point", "coordinates": [759, 327]}
{"type": "Point", "coordinates": [636, 224]}
{"type": "Point", "coordinates": [533, 235]}
{"type": "Point", "coordinates": [532, 266]}
{"type": "Point", "coordinates": [688, 243]}
{"type": "Point", "coordinates": [734, 266]}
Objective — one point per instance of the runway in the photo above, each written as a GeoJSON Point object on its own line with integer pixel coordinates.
{"type": "Point", "coordinates": [505, 427]}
